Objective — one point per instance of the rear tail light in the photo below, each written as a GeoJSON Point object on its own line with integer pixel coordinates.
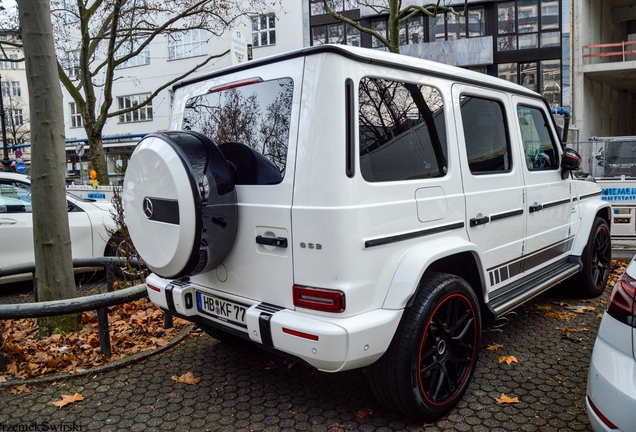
{"type": "Point", "coordinates": [154, 288]}
{"type": "Point", "coordinates": [621, 301]}
{"type": "Point", "coordinates": [235, 84]}
{"type": "Point", "coordinates": [319, 299]}
{"type": "Point", "coordinates": [600, 415]}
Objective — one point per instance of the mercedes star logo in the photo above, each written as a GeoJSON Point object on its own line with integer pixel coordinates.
{"type": "Point", "coordinates": [148, 208]}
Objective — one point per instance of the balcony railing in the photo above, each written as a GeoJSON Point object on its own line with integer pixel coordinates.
{"type": "Point", "coordinates": [626, 48]}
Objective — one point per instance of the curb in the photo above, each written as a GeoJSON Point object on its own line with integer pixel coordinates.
{"type": "Point", "coordinates": [103, 368]}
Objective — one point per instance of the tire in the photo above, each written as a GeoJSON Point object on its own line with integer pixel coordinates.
{"type": "Point", "coordinates": [596, 258]}
{"type": "Point", "coordinates": [432, 357]}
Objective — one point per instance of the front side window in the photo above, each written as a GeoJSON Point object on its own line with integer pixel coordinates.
{"type": "Point", "coordinates": [76, 116]}
{"type": "Point", "coordinates": [138, 115]}
{"type": "Point", "coordinates": [486, 135]}
{"type": "Point", "coordinates": [264, 30]}
{"type": "Point", "coordinates": [256, 115]}
{"type": "Point", "coordinates": [402, 131]}
{"type": "Point", "coordinates": [187, 43]}
{"type": "Point", "coordinates": [538, 145]}
{"type": "Point", "coordinates": [15, 88]}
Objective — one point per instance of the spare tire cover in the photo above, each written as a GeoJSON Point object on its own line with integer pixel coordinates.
{"type": "Point", "coordinates": [180, 203]}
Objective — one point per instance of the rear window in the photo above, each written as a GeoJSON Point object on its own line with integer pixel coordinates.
{"type": "Point", "coordinates": [246, 120]}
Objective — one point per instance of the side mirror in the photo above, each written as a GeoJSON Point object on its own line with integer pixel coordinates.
{"type": "Point", "coordinates": [571, 161]}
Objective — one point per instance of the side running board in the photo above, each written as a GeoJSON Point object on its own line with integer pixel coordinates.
{"type": "Point", "coordinates": [503, 301]}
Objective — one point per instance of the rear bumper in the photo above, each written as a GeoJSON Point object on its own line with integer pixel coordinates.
{"type": "Point", "coordinates": [611, 382]}
{"type": "Point", "coordinates": [336, 344]}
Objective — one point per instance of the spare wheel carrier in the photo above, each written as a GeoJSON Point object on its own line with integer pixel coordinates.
{"type": "Point", "coordinates": [180, 203]}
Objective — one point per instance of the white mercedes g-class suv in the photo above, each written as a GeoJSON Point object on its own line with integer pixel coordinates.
{"type": "Point", "coordinates": [354, 208]}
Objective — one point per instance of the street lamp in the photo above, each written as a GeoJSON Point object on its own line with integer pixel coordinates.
{"type": "Point", "coordinates": [5, 162]}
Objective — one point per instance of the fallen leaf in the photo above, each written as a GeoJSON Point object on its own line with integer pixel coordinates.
{"type": "Point", "coordinates": [508, 359]}
{"type": "Point", "coordinates": [560, 303]}
{"type": "Point", "coordinates": [336, 426]}
{"type": "Point", "coordinates": [572, 329]}
{"type": "Point", "coordinates": [67, 399]}
{"type": "Point", "coordinates": [546, 308]}
{"type": "Point", "coordinates": [591, 308]}
{"type": "Point", "coordinates": [20, 389]}
{"type": "Point", "coordinates": [599, 316]}
{"type": "Point", "coordinates": [187, 378]}
{"type": "Point", "coordinates": [493, 346]}
{"type": "Point", "coordinates": [364, 412]}
{"type": "Point", "coordinates": [579, 311]}
{"type": "Point", "coordinates": [270, 365]}
{"type": "Point", "coordinates": [506, 400]}
{"type": "Point", "coordinates": [3, 379]}
{"type": "Point", "coordinates": [561, 316]}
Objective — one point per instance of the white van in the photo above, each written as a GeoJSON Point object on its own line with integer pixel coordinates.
{"type": "Point", "coordinates": [354, 208]}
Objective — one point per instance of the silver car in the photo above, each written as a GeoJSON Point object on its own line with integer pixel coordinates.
{"type": "Point", "coordinates": [611, 383]}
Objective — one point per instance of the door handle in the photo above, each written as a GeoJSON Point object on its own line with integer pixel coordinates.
{"type": "Point", "coordinates": [535, 208]}
{"type": "Point", "coordinates": [272, 241]}
{"type": "Point", "coordinates": [479, 221]}
{"type": "Point", "coordinates": [8, 221]}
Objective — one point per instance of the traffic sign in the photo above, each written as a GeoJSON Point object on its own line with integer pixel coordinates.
{"type": "Point", "coordinates": [18, 153]}
{"type": "Point", "coordinates": [20, 167]}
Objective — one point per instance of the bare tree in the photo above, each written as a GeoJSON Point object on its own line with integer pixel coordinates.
{"type": "Point", "coordinates": [54, 268]}
{"type": "Point", "coordinates": [17, 119]}
{"type": "Point", "coordinates": [94, 37]}
{"type": "Point", "coordinates": [397, 17]}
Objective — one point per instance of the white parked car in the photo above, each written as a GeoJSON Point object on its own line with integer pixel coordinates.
{"type": "Point", "coordinates": [611, 382]}
{"type": "Point", "coordinates": [355, 208]}
{"type": "Point", "coordinates": [88, 220]}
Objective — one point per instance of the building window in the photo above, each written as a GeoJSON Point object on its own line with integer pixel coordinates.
{"type": "Point", "coordinates": [6, 92]}
{"type": "Point", "coordinates": [73, 59]}
{"type": "Point", "coordinates": [6, 63]}
{"type": "Point", "coordinates": [76, 116]}
{"type": "Point", "coordinates": [412, 31]}
{"type": "Point", "coordinates": [17, 117]}
{"type": "Point", "coordinates": [15, 88]}
{"type": "Point", "coordinates": [142, 114]}
{"type": "Point", "coordinates": [545, 80]}
{"type": "Point", "coordinates": [316, 6]}
{"type": "Point", "coordinates": [378, 26]}
{"type": "Point", "coordinates": [264, 30]}
{"type": "Point", "coordinates": [187, 43]}
{"type": "Point", "coordinates": [127, 47]}
{"type": "Point", "coordinates": [528, 24]}
{"type": "Point", "coordinates": [448, 26]}
{"type": "Point", "coordinates": [71, 13]}
{"type": "Point", "coordinates": [339, 33]}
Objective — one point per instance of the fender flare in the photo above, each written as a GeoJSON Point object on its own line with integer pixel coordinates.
{"type": "Point", "coordinates": [588, 211]}
{"type": "Point", "coordinates": [417, 259]}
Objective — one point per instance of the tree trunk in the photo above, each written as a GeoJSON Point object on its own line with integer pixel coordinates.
{"type": "Point", "coordinates": [98, 158]}
{"type": "Point", "coordinates": [54, 267]}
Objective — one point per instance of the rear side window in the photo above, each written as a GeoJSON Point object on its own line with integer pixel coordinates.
{"type": "Point", "coordinates": [538, 145]}
{"type": "Point", "coordinates": [486, 135]}
{"type": "Point", "coordinates": [402, 131]}
{"type": "Point", "coordinates": [250, 124]}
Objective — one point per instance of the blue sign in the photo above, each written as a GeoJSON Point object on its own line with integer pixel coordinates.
{"type": "Point", "coordinates": [97, 195]}
{"type": "Point", "coordinates": [20, 167]}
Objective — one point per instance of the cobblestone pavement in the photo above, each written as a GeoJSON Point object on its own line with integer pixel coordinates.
{"type": "Point", "coordinates": [245, 388]}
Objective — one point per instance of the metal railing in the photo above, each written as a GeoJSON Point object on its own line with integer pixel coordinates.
{"type": "Point", "coordinates": [623, 52]}
{"type": "Point", "coordinates": [97, 302]}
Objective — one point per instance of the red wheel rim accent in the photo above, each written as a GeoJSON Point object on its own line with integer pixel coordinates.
{"type": "Point", "coordinates": [447, 350]}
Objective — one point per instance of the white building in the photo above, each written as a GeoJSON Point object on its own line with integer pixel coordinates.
{"type": "Point", "coordinates": [166, 58]}
{"type": "Point", "coordinates": [15, 98]}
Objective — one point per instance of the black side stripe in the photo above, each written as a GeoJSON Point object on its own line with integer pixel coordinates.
{"type": "Point", "coordinates": [556, 203]}
{"type": "Point", "coordinates": [506, 215]}
{"type": "Point", "coordinates": [412, 235]}
{"type": "Point", "coordinates": [599, 193]}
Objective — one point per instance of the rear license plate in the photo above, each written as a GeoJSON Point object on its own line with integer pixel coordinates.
{"type": "Point", "coordinates": [222, 309]}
